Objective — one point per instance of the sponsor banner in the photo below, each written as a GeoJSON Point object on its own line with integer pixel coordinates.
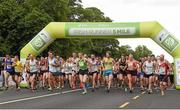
{"type": "Point", "coordinates": [101, 29]}
{"type": "Point", "coordinates": [167, 41]}
{"type": "Point", "coordinates": [41, 40]}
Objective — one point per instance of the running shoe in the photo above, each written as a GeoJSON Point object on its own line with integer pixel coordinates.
{"type": "Point", "coordinates": [18, 88]}
{"type": "Point", "coordinates": [130, 91]}
{"type": "Point", "coordinates": [49, 89]}
{"type": "Point", "coordinates": [151, 91]}
{"type": "Point", "coordinates": [125, 89]}
{"type": "Point", "coordinates": [108, 90]}
{"type": "Point", "coordinates": [57, 87]}
{"type": "Point", "coordinates": [162, 93]}
{"type": "Point", "coordinates": [84, 92]}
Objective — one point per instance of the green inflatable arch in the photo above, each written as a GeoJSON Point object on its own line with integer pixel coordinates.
{"type": "Point", "coordinates": [153, 30]}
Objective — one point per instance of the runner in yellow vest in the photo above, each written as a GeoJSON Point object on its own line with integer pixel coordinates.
{"type": "Point", "coordinates": [18, 71]}
{"type": "Point", "coordinates": [108, 63]}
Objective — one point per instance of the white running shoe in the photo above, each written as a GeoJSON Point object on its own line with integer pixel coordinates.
{"type": "Point", "coordinates": [50, 89]}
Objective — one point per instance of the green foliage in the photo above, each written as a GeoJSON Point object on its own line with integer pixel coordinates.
{"type": "Point", "coordinates": [19, 23]}
{"type": "Point", "coordinates": [141, 51]}
{"type": "Point", "coordinates": [21, 20]}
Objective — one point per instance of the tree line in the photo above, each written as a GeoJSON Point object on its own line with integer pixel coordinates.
{"type": "Point", "coordinates": [21, 20]}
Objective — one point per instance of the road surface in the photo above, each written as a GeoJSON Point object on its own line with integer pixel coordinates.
{"type": "Point", "coordinates": [68, 99]}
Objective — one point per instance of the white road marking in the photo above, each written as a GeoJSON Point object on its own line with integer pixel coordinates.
{"type": "Point", "coordinates": [136, 97]}
{"type": "Point", "coordinates": [36, 97]}
{"type": "Point", "coordinates": [124, 105]}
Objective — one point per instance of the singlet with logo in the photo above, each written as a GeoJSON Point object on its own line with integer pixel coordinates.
{"type": "Point", "coordinates": [9, 67]}
{"type": "Point", "coordinates": [33, 66]}
{"type": "Point", "coordinates": [58, 68]}
{"type": "Point", "coordinates": [149, 67]}
{"type": "Point", "coordinates": [69, 67]}
{"type": "Point", "coordinates": [82, 64]}
{"type": "Point", "coordinates": [52, 62]}
{"type": "Point", "coordinates": [122, 64]}
{"type": "Point", "coordinates": [162, 67]}
{"type": "Point", "coordinates": [75, 67]}
{"type": "Point", "coordinates": [18, 67]}
{"type": "Point", "coordinates": [94, 65]}
{"type": "Point", "coordinates": [43, 65]}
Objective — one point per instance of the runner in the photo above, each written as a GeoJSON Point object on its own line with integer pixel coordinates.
{"type": "Point", "coordinates": [18, 71]}
{"type": "Point", "coordinates": [108, 63]}
{"type": "Point", "coordinates": [115, 74]}
{"type": "Point", "coordinates": [52, 71]}
{"type": "Point", "coordinates": [9, 71]}
{"type": "Point", "coordinates": [83, 71]}
{"type": "Point", "coordinates": [62, 65]}
{"type": "Point", "coordinates": [68, 71]}
{"type": "Point", "coordinates": [93, 71]}
{"type": "Point", "coordinates": [163, 68]}
{"type": "Point", "coordinates": [43, 71]}
{"type": "Point", "coordinates": [122, 70]}
{"type": "Point", "coordinates": [149, 68]}
{"type": "Point", "coordinates": [59, 75]}
{"type": "Point", "coordinates": [75, 70]}
{"type": "Point", "coordinates": [131, 71]}
{"type": "Point", "coordinates": [141, 73]}
{"type": "Point", "coordinates": [33, 68]}
{"type": "Point", "coordinates": [155, 76]}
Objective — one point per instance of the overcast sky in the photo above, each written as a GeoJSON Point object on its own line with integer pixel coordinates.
{"type": "Point", "coordinates": [166, 12]}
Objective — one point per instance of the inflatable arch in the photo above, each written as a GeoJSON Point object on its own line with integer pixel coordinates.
{"type": "Point", "coordinates": [153, 30]}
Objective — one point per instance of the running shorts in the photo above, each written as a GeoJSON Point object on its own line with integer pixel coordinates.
{"type": "Point", "coordinates": [11, 72]}
{"type": "Point", "coordinates": [32, 73]}
{"type": "Point", "coordinates": [68, 73]}
{"type": "Point", "coordinates": [132, 72]}
{"type": "Point", "coordinates": [58, 73]}
{"type": "Point", "coordinates": [43, 71]}
{"type": "Point", "coordinates": [114, 75]}
{"type": "Point", "coordinates": [148, 75]}
{"type": "Point", "coordinates": [91, 73]}
{"type": "Point", "coordinates": [63, 74]}
{"type": "Point", "coordinates": [163, 78]}
{"type": "Point", "coordinates": [122, 72]}
{"type": "Point", "coordinates": [108, 72]}
{"type": "Point", "coordinates": [83, 72]}
{"type": "Point", "coordinates": [141, 74]}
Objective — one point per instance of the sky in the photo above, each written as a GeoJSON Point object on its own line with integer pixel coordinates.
{"type": "Point", "coordinates": [166, 12]}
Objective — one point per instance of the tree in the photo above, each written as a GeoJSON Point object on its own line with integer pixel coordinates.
{"type": "Point", "coordinates": [21, 20]}
{"type": "Point", "coordinates": [141, 51]}
{"type": "Point", "coordinates": [18, 23]}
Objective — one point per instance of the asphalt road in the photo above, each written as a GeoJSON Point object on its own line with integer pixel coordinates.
{"type": "Point", "coordinates": [68, 99]}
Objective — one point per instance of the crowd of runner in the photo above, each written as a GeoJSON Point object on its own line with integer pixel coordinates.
{"type": "Point", "coordinates": [79, 70]}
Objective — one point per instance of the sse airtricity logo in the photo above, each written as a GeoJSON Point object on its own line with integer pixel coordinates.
{"type": "Point", "coordinates": [37, 43]}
